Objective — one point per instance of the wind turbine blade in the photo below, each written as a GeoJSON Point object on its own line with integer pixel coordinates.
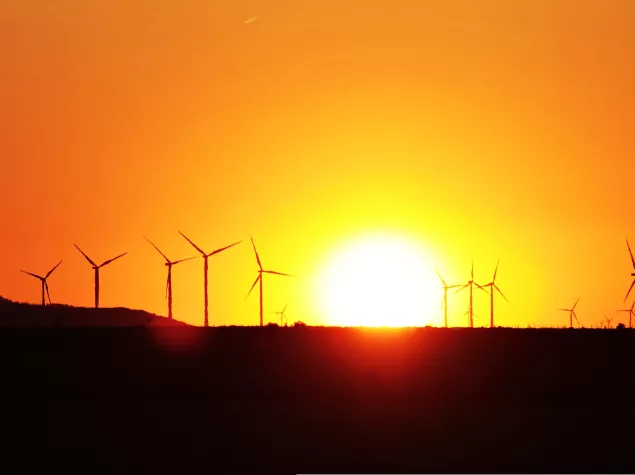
{"type": "Point", "coordinates": [576, 317]}
{"type": "Point", "coordinates": [113, 259]}
{"type": "Point", "coordinates": [47, 291]}
{"type": "Point", "coordinates": [443, 281]}
{"type": "Point", "coordinates": [482, 287]}
{"type": "Point", "coordinates": [500, 292]}
{"type": "Point", "coordinates": [154, 245]}
{"type": "Point", "coordinates": [466, 285]}
{"type": "Point", "coordinates": [576, 303]}
{"type": "Point", "coordinates": [629, 290]}
{"type": "Point", "coordinates": [496, 270]}
{"type": "Point", "coordinates": [284, 308]}
{"type": "Point", "coordinates": [190, 241]}
{"type": "Point", "coordinates": [564, 309]}
{"type": "Point", "coordinates": [257, 257]}
{"type": "Point", "coordinates": [183, 260]}
{"type": "Point", "coordinates": [223, 248]}
{"type": "Point", "coordinates": [453, 286]}
{"type": "Point", "coordinates": [277, 273]}
{"type": "Point", "coordinates": [34, 275]}
{"type": "Point", "coordinates": [633, 306]}
{"type": "Point", "coordinates": [51, 271]}
{"type": "Point", "coordinates": [252, 287]}
{"type": "Point", "coordinates": [631, 253]}
{"type": "Point", "coordinates": [84, 254]}
{"type": "Point", "coordinates": [472, 267]}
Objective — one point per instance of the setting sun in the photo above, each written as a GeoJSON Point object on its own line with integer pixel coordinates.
{"type": "Point", "coordinates": [379, 280]}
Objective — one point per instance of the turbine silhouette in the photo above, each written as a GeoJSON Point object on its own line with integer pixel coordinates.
{"type": "Point", "coordinates": [96, 268]}
{"type": "Point", "coordinates": [205, 270]}
{"type": "Point", "coordinates": [45, 285]}
{"type": "Point", "coordinates": [283, 316]}
{"type": "Point", "coordinates": [632, 273]}
{"type": "Point", "coordinates": [572, 313]}
{"type": "Point", "coordinates": [631, 312]}
{"type": "Point", "coordinates": [168, 284]}
{"type": "Point", "coordinates": [469, 284]}
{"type": "Point", "coordinates": [259, 279]}
{"type": "Point", "coordinates": [445, 298]}
{"type": "Point", "coordinates": [492, 285]}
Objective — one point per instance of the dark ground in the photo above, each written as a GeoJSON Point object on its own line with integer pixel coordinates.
{"type": "Point", "coordinates": [317, 400]}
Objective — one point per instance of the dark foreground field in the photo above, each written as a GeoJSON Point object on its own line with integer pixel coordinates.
{"type": "Point", "coordinates": [302, 400]}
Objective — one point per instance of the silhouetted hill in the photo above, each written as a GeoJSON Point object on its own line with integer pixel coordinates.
{"type": "Point", "coordinates": [320, 400]}
{"type": "Point", "coordinates": [16, 314]}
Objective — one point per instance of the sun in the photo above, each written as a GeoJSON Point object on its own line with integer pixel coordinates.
{"type": "Point", "coordinates": [379, 280]}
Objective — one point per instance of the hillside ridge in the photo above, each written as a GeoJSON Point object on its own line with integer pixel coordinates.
{"type": "Point", "coordinates": [27, 315]}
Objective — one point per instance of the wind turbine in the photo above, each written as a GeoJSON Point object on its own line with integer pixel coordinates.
{"type": "Point", "coordinates": [168, 285]}
{"type": "Point", "coordinates": [572, 313]}
{"type": "Point", "coordinates": [283, 316]}
{"type": "Point", "coordinates": [631, 312]}
{"type": "Point", "coordinates": [259, 278]}
{"type": "Point", "coordinates": [469, 284]}
{"type": "Point", "coordinates": [632, 273]}
{"type": "Point", "coordinates": [445, 298]}
{"type": "Point", "coordinates": [45, 285]}
{"type": "Point", "coordinates": [205, 269]}
{"type": "Point", "coordinates": [96, 268]}
{"type": "Point", "coordinates": [492, 285]}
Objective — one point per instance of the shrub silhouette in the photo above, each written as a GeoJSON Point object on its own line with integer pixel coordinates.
{"type": "Point", "coordinates": [299, 324]}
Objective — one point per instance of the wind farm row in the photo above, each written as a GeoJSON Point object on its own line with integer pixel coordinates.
{"type": "Point", "coordinates": [490, 288]}
{"type": "Point", "coordinates": [470, 283]}
{"type": "Point", "coordinates": [169, 264]}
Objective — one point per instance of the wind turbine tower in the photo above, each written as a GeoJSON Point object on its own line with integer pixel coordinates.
{"type": "Point", "coordinates": [96, 268]}
{"type": "Point", "coordinates": [283, 316]}
{"type": "Point", "coordinates": [445, 298]}
{"type": "Point", "coordinates": [572, 314]}
{"type": "Point", "coordinates": [492, 286]}
{"type": "Point", "coordinates": [469, 284]}
{"type": "Point", "coordinates": [632, 273]}
{"type": "Point", "coordinates": [205, 271]}
{"type": "Point", "coordinates": [259, 279]}
{"type": "Point", "coordinates": [631, 312]}
{"type": "Point", "coordinates": [45, 285]}
{"type": "Point", "coordinates": [168, 285]}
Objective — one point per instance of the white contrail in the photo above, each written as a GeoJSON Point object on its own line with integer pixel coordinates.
{"type": "Point", "coordinates": [251, 19]}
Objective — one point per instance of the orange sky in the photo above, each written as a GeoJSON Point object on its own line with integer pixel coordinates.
{"type": "Point", "coordinates": [492, 128]}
